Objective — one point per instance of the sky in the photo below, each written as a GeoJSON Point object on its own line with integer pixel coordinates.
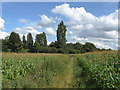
{"type": "Point", "coordinates": [85, 21]}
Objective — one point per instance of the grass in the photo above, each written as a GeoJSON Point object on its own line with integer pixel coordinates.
{"type": "Point", "coordinates": [34, 70]}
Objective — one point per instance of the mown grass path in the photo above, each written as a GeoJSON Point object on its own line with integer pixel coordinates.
{"type": "Point", "coordinates": [65, 80]}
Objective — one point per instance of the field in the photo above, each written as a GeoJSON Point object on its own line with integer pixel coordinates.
{"type": "Point", "coordinates": [89, 70]}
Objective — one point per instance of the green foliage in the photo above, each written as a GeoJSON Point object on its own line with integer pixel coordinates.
{"type": "Point", "coordinates": [24, 42]}
{"type": "Point", "coordinates": [30, 42]}
{"type": "Point", "coordinates": [41, 39]}
{"type": "Point", "coordinates": [92, 70]}
{"type": "Point", "coordinates": [5, 44]}
{"type": "Point", "coordinates": [32, 70]}
{"type": "Point", "coordinates": [98, 70]}
{"type": "Point", "coordinates": [14, 42]}
{"type": "Point", "coordinates": [88, 47]}
{"type": "Point", "coordinates": [61, 33]}
{"type": "Point", "coordinates": [78, 47]}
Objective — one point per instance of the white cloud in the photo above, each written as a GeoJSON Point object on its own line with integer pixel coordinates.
{"type": "Point", "coordinates": [87, 27]}
{"type": "Point", "coordinates": [48, 42]}
{"type": "Point", "coordinates": [46, 21]}
{"type": "Point", "coordinates": [23, 21]}
{"type": "Point", "coordinates": [37, 27]}
{"type": "Point", "coordinates": [50, 31]}
{"type": "Point", "coordinates": [77, 27]}
{"type": "Point", "coordinates": [3, 35]}
{"type": "Point", "coordinates": [2, 21]}
{"type": "Point", "coordinates": [76, 15]}
{"type": "Point", "coordinates": [25, 31]}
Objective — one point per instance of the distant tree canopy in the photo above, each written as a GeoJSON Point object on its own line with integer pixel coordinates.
{"type": "Point", "coordinates": [88, 47]}
{"type": "Point", "coordinates": [13, 43]}
{"type": "Point", "coordinates": [41, 39]}
{"type": "Point", "coordinates": [29, 42]}
{"type": "Point", "coordinates": [5, 44]}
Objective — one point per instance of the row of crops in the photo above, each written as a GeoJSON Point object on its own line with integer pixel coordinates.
{"type": "Point", "coordinates": [90, 70]}
{"type": "Point", "coordinates": [32, 71]}
{"type": "Point", "coordinates": [101, 69]}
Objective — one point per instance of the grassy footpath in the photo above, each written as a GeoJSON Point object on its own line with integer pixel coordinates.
{"type": "Point", "coordinates": [90, 70]}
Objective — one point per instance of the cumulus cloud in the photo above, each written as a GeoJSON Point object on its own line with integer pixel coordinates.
{"type": "Point", "coordinates": [86, 27]}
{"type": "Point", "coordinates": [3, 35]}
{"type": "Point", "coordinates": [2, 21]}
{"type": "Point", "coordinates": [46, 21]}
{"type": "Point", "coordinates": [76, 15]}
{"type": "Point", "coordinates": [50, 31]}
{"type": "Point", "coordinates": [37, 27]}
{"type": "Point", "coordinates": [26, 30]}
{"type": "Point", "coordinates": [23, 21]}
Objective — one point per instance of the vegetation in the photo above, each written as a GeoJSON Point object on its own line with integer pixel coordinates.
{"type": "Point", "coordinates": [61, 33]}
{"type": "Point", "coordinates": [34, 70]}
{"type": "Point", "coordinates": [41, 39]}
{"type": "Point", "coordinates": [30, 42]}
{"type": "Point", "coordinates": [98, 69]}
{"type": "Point", "coordinates": [13, 43]}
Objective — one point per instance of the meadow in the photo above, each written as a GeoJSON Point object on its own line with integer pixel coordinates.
{"type": "Point", "coordinates": [39, 70]}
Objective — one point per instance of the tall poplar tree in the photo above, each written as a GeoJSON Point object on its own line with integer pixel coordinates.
{"type": "Point", "coordinates": [30, 42]}
{"type": "Point", "coordinates": [24, 42]}
{"type": "Point", "coordinates": [61, 33]}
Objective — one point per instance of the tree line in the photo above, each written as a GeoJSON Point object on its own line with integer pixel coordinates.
{"type": "Point", "coordinates": [13, 43]}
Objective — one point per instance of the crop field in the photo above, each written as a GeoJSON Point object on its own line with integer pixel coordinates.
{"type": "Point", "coordinates": [35, 70]}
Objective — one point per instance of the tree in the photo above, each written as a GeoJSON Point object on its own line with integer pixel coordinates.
{"type": "Point", "coordinates": [79, 46]}
{"type": "Point", "coordinates": [36, 46]}
{"type": "Point", "coordinates": [54, 44]}
{"type": "Point", "coordinates": [89, 47]}
{"type": "Point", "coordinates": [61, 33]}
{"type": "Point", "coordinates": [30, 42]}
{"type": "Point", "coordinates": [24, 42]}
{"type": "Point", "coordinates": [41, 39]}
{"type": "Point", "coordinates": [5, 44]}
{"type": "Point", "coordinates": [14, 42]}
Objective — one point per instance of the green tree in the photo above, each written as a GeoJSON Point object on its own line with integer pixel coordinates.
{"type": "Point", "coordinates": [79, 46]}
{"type": "Point", "coordinates": [54, 44]}
{"type": "Point", "coordinates": [41, 39]}
{"type": "Point", "coordinates": [89, 47]}
{"type": "Point", "coordinates": [29, 42]}
{"type": "Point", "coordinates": [5, 44]}
{"type": "Point", "coordinates": [61, 33]}
{"type": "Point", "coordinates": [24, 42]}
{"type": "Point", "coordinates": [36, 46]}
{"type": "Point", "coordinates": [14, 42]}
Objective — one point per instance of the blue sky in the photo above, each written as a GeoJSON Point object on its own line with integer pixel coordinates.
{"type": "Point", "coordinates": [12, 13]}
